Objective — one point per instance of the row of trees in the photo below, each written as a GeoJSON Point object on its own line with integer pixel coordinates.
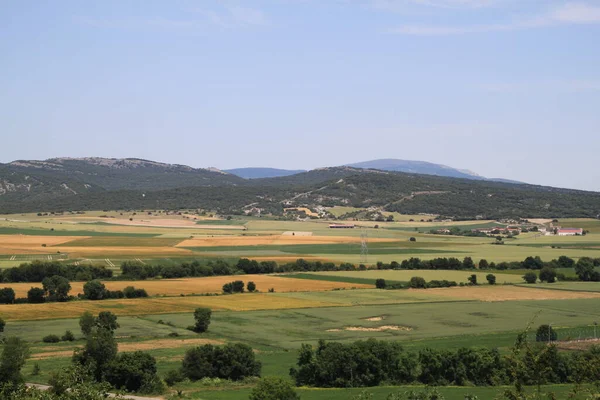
{"type": "Point", "coordinates": [372, 362]}
{"type": "Point", "coordinates": [37, 271]}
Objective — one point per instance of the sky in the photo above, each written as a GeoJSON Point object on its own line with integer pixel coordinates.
{"type": "Point", "coordinates": [506, 88]}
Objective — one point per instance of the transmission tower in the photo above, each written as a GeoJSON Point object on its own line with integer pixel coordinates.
{"type": "Point", "coordinates": [364, 248]}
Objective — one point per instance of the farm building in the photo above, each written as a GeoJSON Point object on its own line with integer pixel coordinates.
{"type": "Point", "coordinates": [569, 232]}
{"type": "Point", "coordinates": [341, 226]}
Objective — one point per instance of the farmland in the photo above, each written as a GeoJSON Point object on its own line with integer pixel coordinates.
{"type": "Point", "coordinates": [303, 307]}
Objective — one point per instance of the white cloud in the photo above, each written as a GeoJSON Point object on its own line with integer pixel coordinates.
{"type": "Point", "coordinates": [568, 14]}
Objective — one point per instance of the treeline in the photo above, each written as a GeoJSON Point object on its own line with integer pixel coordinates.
{"type": "Point", "coordinates": [37, 271]}
{"type": "Point", "coordinates": [373, 362]}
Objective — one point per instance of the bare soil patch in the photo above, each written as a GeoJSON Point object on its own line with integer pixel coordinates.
{"type": "Point", "coordinates": [378, 328]}
{"type": "Point", "coordinates": [296, 233]}
{"type": "Point", "coordinates": [577, 344]}
{"type": "Point", "coordinates": [375, 319]}
{"type": "Point", "coordinates": [272, 240]}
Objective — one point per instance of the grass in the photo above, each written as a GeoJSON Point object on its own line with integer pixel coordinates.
{"type": "Point", "coordinates": [74, 232]}
{"type": "Point", "coordinates": [112, 241]}
{"type": "Point", "coordinates": [328, 278]}
{"type": "Point", "coordinates": [570, 286]}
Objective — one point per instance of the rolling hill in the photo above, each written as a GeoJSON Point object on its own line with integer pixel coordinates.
{"type": "Point", "coordinates": [258, 172]}
{"type": "Point", "coordinates": [98, 183]}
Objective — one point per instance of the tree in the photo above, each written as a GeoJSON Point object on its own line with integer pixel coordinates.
{"type": "Point", "coordinates": [238, 286]}
{"type": "Point", "coordinates": [483, 264]}
{"type": "Point", "coordinates": [94, 290]}
{"type": "Point", "coordinates": [202, 318]}
{"type": "Point", "coordinates": [68, 337]}
{"type": "Point", "coordinates": [107, 320]}
{"type": "Point", "coordinates": [228, 288]}
{"type": "Point", "coordinates": [251, 286]}
{"type": "Point", "coordinates": [57, 287]}
{"type": "Point", "coordinates": [530, 277]}
{"type": "Point", "coordinates": [87, 322]}
{"type": "Point", "coordinates": [584, 268]}
{"type": "Point", "coordinates": [13, 358]}
{"type": "Point", "coordinates": [133, 372]}
{"type": "Point", "coordinates": [2, 325]}
{"type": "Point", "coordinates": [565, 262]}
{"type": "Point", "coordinates": [231, 361]}
{"type": "Point", "coordinates": [545, 333]}
{"type": "Point", "coordinates": [473, 279]}
{"type": "Point", "coordinates": [491, 278]}
{"type": "Point", "coordinates": [533, 263]}
{"type": "Point", "coordinates": [468, 263]}
{"type": "Point", "coordinates": [416, 282]}
{"type": "Point", "coordinates": [36, 295]}
{"type": "Point", "coordinates": [7, 296]}
{"type": "Point", "coordinates": [412, 239]}
{"type": "Point", "coordinates": [99, 350]}
{"type": "Point", "coordinates": [548, 274]}
{"type": "Point", "coordinates": [274, 388]}
{"type": "Point", "coordinates": [380, 283]}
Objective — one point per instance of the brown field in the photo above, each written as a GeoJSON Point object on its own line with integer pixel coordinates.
{"type": "Point", "coordinates": [25, 244]}
{"type": "Point", "coordinates": [506, 293]}
{"type": "Point", "coordinates": [272, 240]}
{"type": "Point", "coordinates": [155, 305]}
{"type": "Point", "coordinates": [114, 251]}
{"type": "Point", "coordinates": [51, 352]}
{"type": "Point", "coordinates": [213, 284]}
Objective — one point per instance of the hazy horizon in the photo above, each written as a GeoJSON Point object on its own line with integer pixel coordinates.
{"type": "Point", "coordinates": [507, 89]}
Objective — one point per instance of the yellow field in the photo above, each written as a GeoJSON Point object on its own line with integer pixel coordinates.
{"type": "Point", "coordinates": [272, 240]}
{"type": "Point", "coordinates": [155, 305]}
{"type": "Point", "coordinates": [213, 284]}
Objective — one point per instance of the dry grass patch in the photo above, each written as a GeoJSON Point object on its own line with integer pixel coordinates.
{"type": "Point", "coordinates": [373, 329]}
{"type": "Point", "coordinates": [272, 240]}
{"type": "Point", "coordinates": [50, 352]}
{"type": "Point", "coordinates": [213, 284]}
{"type": "Point", "coordinates": [505, 293]}
{"type": "Point", "coordinates": [26, 244]}
{"type": "Point", "coordinates": [160, 305]}
{"type": "Point", "coordinates": [112, 251]}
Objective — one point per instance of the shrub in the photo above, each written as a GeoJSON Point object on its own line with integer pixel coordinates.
{"type": "Point", "coordinates": [251, 286]}
{"type": "Point", "coordinates": [51, 339]}
{"type": "Point", "coordinates": [472, 279]}
{"type": "Point", "coordinates": [94, 290]}
{"type": "Point", "coordinates": [36, 295]}
{"type": "Point", "coordinates": [413, 239]}
{"type": "Point", "coordinates": [274, 388]}
{"type": "Point", "coordinates": [491, 278]}
{"type": "Point", "coordinates": [173, 377]}
{"type": "Point", "coordinates": [133, 372]}
{"type": "Point", "coordinates": [548, 274]}
{"type": "Point", "coordinates": [380, 284]}
{"type": "Point", "coordinates": [7, 296]}
{"type": "Point", "coordinates": [68, 337]}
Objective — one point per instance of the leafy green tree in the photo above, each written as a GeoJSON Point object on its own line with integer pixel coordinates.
{"type": "Point", "coordinates": [483, 264]}
{"type": "Point", "coordinates": [533, 263]}
{"type": "Point", "coordinates": [57, 288]}
{"type": "Point", "coordinates": [7, 295]}
{"type": "Point", "coordinates": [548, 274]}
{"type": "Point", "coordinates": [202, 318]}
{"type": "Point", "coordinates": [94, 290]}
{"type": "Point", "coordinates": [545, 333]}
{"type": "Point", "coordinates": [99, 350]}
{"type": "Point", "coordinates": [274, 388]}
{"type": "Point", "coordinates": [473, 279]}
{"type": "Point", "coordinates": [491, 278]}
{"type": "Point", "coordinates": [380, 283]}
{"type": "Point", "coordinates": [228, 288]}
{"type": "Point", "coordinates": [584, 268]}
{"type": "Point", "coordinates": [87, 322]}
{"type": "Point", "coordinates": [530, 277]}
{"type": "Point", "coordinates": [238, 286]}
{"type": "Point", "coordinates": [251, 286]}
{"type": "Point", "coordinates": [417, 282]}
{"type": "Point", "coordinates": [133, 372]}
{"type": "Point", "coordinates": [565, 262]}
{"type": "Point", "coordinates": [13, 359]}
{"type": "Point", "coordinates": [68, 337]}
{"type": "Point", "coordinates": [36, 295]}
{"type": "Point", "coordinates": [468, 263]}
{"type": "Point", "coordinates": [107, 320]}
{"type": "Point", "coordinates": [231, 361]}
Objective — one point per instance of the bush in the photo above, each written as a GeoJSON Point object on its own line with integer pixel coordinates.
{"type": "Point", "coordinates": [548, 274]}
{"type": "Point", "coordinates": [36, 295]}
{"type": "Point", "coordinates": [173, 377]}
{"type": "Point", "coordinates": [68, 337]}
{"type": "Point", "coordinates": [131, 292]}
{"type": "Point", "coordinates": [472, 279]}
{"type": "Point", "coordinates": [94, 290]}
{"type": "Point", "coordinates": [413, 239]}
{"type": "Point", "coordinates": [491, 278]}
{"type": "Point", "coordinates": [380, 284]}
{"type": "Point", "coordinates": [274, 388]}
{"type": "Point", "coordinates": [251, 286]}
{"type": "Point", "coordinates": [134, 372]}
{"type": "Point", "coordinates": [7, 296]}
{"type": "Point", "coordinates": [51, 339]}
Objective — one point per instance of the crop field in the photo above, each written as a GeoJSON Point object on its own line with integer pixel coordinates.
{"type": "Point", "coordinates": [306, 307]}
{"type": "Point", "coordinates": [213, 284]}
{"type": "Point", "coordinates": [405, 275]}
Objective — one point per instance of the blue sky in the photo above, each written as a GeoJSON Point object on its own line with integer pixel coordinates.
{"type": "Point", "coordinates": [506, 88]}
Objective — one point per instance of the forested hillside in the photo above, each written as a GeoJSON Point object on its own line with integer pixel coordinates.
{"type": "Point", "coordinates": [92, 184]}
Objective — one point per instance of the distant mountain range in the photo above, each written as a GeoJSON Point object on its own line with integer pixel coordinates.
{"type": "Point", "coordinates": [62, 184]}
{"type": "Point", "coordinates": [388, 164]}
